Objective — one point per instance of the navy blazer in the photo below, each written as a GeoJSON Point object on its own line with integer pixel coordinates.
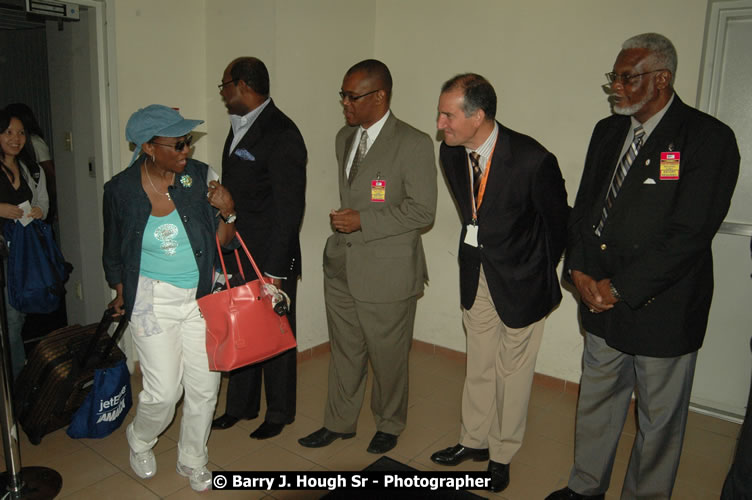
{"type": "Point", "coordinates": [266, 175]}
{"type": "Point", "coordinates": [522, 227]}
{"type": "Point", "coordinates": [656, 243]}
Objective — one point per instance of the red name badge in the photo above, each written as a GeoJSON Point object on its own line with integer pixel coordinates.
{"type": "Point", "coordinates": [378, 190]}
{"type": "Point", "coordinates": [670, 162]}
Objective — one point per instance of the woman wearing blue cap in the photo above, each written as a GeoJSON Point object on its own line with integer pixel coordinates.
{"type": "Point", "coordinates": [160, 221]}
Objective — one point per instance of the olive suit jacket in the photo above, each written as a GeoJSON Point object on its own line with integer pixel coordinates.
{"type": "Point", "coordinates": [384, 261]}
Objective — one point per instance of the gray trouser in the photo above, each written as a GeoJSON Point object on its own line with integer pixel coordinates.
{"type": "Point", "coordinates": [663, 387]}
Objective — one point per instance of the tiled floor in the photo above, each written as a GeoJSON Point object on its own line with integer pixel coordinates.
{"type": "Point", "coordinates": [98, 469]}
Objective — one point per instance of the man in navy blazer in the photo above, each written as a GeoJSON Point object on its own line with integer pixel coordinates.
{"type": "Point", "coordinates": [264, 167]}
{"type": "Point", "coordinates": [513, 207]}
{"type": "Point", "coordinates": [657, 184]}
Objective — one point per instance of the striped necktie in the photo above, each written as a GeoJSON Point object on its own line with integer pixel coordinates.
{"type": "Point", "coordinates": [619, 175]}
{"type": "Point", "coordinates": [475, 163]}
{"type": "Point", "coordinates": [359, 155]}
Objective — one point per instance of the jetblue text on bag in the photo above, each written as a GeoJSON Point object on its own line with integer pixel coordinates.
{"type": "Point", "coordinates": [106, 406]}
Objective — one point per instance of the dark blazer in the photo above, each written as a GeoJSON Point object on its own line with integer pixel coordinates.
{"type": "Point", "coordinates": [266, 175]}
{"type": "Point", "coordinates": [126, 210]}
{"type": "Point", "coordinates": [656, 244]}
{"type": "Point", "coordinates": [522, 227]}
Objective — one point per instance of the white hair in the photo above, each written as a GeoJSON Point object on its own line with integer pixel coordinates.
{"type": "Point", "coordinates": [662, 51]}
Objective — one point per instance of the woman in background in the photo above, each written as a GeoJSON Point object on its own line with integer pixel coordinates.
{"type": "Point", "coordinates": [40, 324]}
{"type": "Point", "coordinates": [39, 147]}
{"type": "Point", "coordinates": [22, 181]}
{"type": "Point", "coordinates": [160, 222]}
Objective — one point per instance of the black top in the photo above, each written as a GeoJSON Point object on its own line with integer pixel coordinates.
{"type": "Point", "coordinates": [8, 194]}
{"type": "Point", "coordinates": [266, 176]}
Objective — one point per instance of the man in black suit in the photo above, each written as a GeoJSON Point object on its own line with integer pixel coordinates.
{"type": "Point", "coordinates": [264, 167]}
{"type": "Point", "coordinates": [657, 184]}
{"type": "Point", "coordinates": [513, 207]}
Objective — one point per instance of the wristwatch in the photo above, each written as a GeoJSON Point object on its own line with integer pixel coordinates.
{"type": "Point", "coordinates": [614, 291]}
{"type": "Point", "coordinates": [230, 218]}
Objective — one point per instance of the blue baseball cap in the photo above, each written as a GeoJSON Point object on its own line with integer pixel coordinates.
{"type": "Point", "coordinates": [156, 121]}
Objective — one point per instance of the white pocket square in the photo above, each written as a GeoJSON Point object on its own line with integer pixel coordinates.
{"type": "Point", "coordinates": [649, 180]}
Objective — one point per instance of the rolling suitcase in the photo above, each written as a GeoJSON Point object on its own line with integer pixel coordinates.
{"type": "Point", "coordinates": [60, 372]}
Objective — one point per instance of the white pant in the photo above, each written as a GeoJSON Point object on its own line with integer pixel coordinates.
{"type": "Point", "coordinates": [172, 360]}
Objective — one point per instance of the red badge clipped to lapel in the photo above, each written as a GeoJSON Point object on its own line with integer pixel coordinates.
{"type": "Point", "coordinates": [670, 166]}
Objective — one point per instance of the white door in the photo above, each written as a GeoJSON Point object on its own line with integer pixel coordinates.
{"type": "Point", "coordinates": [80, 110]}
{"type": "Point", "coordinates": [724, 363]}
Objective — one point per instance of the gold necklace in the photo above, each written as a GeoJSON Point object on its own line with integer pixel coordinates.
{"type": "Point", "coordinates": [146, 168]}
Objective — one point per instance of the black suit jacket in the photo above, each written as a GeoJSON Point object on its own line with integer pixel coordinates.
{"type": "Point", "coordinates": [656, 244]}
{"type": "Point", "coordinates": [522, 227]}
{"type": "Point", "coordinates": [266, 175]}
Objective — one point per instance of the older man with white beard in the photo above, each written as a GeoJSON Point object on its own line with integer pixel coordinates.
{"type": "Point", "coordinates": [657, 184]}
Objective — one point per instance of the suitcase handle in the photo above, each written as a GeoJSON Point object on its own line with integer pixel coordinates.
{"type": "Point", "coordinates": [107, 319]}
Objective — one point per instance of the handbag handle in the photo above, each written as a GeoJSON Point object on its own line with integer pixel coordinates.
{"type": "Point", "coordinates": [240, 267]}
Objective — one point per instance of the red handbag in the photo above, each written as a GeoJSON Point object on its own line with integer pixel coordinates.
{"type": "Point", "coordinates": [241, 325]}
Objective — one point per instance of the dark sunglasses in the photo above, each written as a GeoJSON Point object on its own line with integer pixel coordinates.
{"type": "Point", "coordinates": [178, 145]}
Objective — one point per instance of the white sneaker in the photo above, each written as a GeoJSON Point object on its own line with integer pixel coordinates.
{"type": "Point", "coordinates": [200, 477]}
{"type": "Point", "coordinates": [144, 464]}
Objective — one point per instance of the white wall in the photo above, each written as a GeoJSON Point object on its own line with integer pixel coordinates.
{"type": "Point", "coordinates": [161, 58]}
{"type": "Point", "coordinates": [546, 59]}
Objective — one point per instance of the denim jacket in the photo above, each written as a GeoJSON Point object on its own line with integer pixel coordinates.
{"type": "Point", "coordinates": [126, 211]}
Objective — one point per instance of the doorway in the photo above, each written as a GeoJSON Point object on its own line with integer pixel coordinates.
{"type": "Point", "coordinates": [724, 363]}
{"type": "Point", "coordinates": [72, 59]}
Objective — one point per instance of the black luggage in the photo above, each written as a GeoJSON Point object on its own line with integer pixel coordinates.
{"type": "Point", "coordinates": [60, 372]}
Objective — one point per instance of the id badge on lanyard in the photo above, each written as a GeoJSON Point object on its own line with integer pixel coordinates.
{"type": "Point", "coordinates": [471, 232]}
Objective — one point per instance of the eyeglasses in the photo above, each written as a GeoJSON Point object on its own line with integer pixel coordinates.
{"type": "Point", "coordinates": [353, 98]}
{"type": "Point", "coordinates": [179, 146]}
{"type": "Point", "coordinates": [228, 82]}
{"type": "Point", "coordinates": [624, 78]}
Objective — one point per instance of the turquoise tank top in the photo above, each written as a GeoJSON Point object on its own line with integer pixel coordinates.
{"type": "Point", "coordinates": [166, 253]}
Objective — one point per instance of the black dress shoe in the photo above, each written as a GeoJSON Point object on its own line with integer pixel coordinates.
{"type": "Point", "coordinates": [382, 442]}
{"type": "Point", "coordinates": [267, 430]}
{"type": "Point", "coordinates": [567, 494]}
{"type": "Point", "coordinates": [457, 454]}
{"type": "Point", "coordinates": [224, 422]}
{"type": "Point", "coordinates": [323, 437]}
{"type": "Point", "coordinates": [499, 476]}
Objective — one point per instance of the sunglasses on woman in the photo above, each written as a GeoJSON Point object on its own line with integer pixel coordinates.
{"type": "Point", "coordinates": [178, 145]}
